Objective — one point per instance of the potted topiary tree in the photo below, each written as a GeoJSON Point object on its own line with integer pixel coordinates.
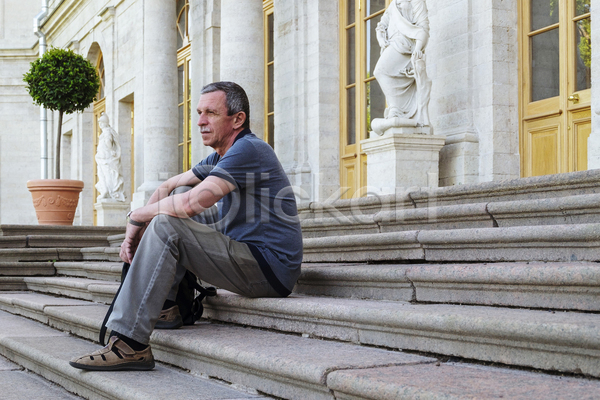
{"type": "Point", "coordinates": [66, 82]}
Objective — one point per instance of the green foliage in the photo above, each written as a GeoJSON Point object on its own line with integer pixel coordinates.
{"type": "Point", "coordinates": [62, 81]}
{"type": "Point", "coordinates": [585, 43]}
{"type": "Point", "coordinates": [581, 6]}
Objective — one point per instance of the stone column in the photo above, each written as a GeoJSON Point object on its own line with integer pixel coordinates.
{"type": "Point", "coordinates": [402, 158]}
{"type": "Point", "coordinates": [205, 37]}
{"type": "Point", "coordinates": [242, 53]}
{"type": "Point", "coordinates": [159, 98]}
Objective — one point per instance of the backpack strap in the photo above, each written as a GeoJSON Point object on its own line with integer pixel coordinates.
{"type": "Point", "coordinates": [197, 307]}
{"type": "Point", "coordinates": [103, 327]}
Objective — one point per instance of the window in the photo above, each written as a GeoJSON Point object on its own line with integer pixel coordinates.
{"type": "Point", "coordinates": [101, 74]}
{"type": "Point", "coordinates": [269, 72]}
{"type": "Point", "coordinates": [362, 98]}
{"type": "Point", "coordinates": [184, 84]}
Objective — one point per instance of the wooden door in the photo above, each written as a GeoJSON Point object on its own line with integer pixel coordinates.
{"type": "Point", "coordinates": [555, 83]}
{"type": "Point", "coordinates": [361, 97]}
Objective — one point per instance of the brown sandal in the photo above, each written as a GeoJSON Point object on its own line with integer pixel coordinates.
{"type": "Point", "coordinates": [116, 356]}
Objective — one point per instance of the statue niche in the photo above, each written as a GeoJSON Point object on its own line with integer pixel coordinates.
{"type": "Point", "coordinates": [403, 33]}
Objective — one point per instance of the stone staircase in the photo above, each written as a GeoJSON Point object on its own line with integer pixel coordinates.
{"type": "Point", "coordinates": [474, 291]}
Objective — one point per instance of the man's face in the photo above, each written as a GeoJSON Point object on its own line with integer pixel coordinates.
{"type": "Point", "coordinates": [215, 125]}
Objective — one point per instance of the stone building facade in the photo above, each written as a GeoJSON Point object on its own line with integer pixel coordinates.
{"type": "Point", "coordinates": [293, 59]}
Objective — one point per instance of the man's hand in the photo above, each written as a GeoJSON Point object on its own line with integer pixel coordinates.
{"type": "Point", "coordinates": [133, 235]}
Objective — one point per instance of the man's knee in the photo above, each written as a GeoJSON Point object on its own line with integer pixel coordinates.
{"type": "Point", "coordinates": [162, 224]}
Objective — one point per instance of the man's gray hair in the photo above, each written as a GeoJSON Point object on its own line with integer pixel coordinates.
{"type": "Point", "coordinates": [236, 98]}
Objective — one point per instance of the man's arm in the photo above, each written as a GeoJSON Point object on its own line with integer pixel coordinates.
{"type": "Point", "coordinates": [183, 205]}
{"type": "Point", "coordinates": [188, 204]}
{"type": "Point", "coordinates": [187, 178]}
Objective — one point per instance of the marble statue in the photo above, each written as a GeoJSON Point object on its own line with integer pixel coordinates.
{"type": "Point", "coordinates": [403, 33]}
{"type": "Point", "coordinates": [108, 161]}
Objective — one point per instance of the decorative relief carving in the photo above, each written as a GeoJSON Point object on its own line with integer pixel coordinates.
{"type": "Point", "coordinates": [59, 201]}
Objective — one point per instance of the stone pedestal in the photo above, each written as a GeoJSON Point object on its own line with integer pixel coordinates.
{"type": "Point", "coordinates": [403, 157]}
{"type": "Point", "coordinates": [111, 213]}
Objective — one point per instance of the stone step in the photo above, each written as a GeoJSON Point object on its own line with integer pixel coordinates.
{"type": "Point", "coordinates": [102, 270]}
{"type": "Point", "coordinates": [14, 268]}
{"type": "Point", "coordinates": [17, 383]}
{"type": "Point", "coordinates": [101, 253]}
{"type": "Point", "coordinates": [10, 283]}
{"type": "Point", "coordinates": [524, 189]}
{"type": "Point", "coordinates": [58, 230]}
{"type": "Point", "coordinates": [66, 241]}
{"type": "Point", "coordinates": [13, 242]}
{"type": "Point", "coordinates": [581, 209]}
{"type": "Point", "coordinates": [47, 351]}
{"type": "Point", "coordinates": [561, 341]}
{"type": "Point", "coordinates": [548, 340]}
{"type": "Point", "coordinates": [282, 365]}
{"type": "Point", "coordinates": [552, 285]}
{"type": "Point", "coordinates": [101, 291]}
{"type": "Point", "coordinates": [40, 254]}
{"type": "Point", "coordinates": [579, 242]}
{"type": "Point", "coordinates": [286, 366]}
{"type": "Point", "coordinates": [116, 240]}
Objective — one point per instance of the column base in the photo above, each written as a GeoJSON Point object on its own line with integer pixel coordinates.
{"type": "Point", "coordinates": [111, 213]}
{"type": "Point", "coordinates": [402, 158]}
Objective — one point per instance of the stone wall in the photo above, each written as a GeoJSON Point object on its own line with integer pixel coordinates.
{"type": "Point", "coordinates": [473, 60]}
{"type": "Point", "coordinates": [307, 95]}
{"type": "Point", "coordinates": [19, 117]}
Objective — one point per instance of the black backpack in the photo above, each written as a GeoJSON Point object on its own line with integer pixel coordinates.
{"type": "Point", "coordinates": [190, 305]}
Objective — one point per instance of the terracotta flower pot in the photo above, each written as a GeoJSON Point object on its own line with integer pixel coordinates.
{"type": "Point", "coordinates": [55, 200]}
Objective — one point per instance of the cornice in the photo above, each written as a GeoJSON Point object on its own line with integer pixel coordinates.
{"type": "Point", "coordinates": [67, 8]}
{"type": "Point", "coordinates": [19, 53]}
{"type": "Point", "coordinates": [59, 15]}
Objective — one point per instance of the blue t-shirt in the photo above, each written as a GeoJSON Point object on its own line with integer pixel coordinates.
{"type": "Point", "coordinates": [261, 211]}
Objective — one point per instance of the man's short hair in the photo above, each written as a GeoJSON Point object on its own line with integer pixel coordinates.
{"type": "Point", "coordinates": [236, 98]}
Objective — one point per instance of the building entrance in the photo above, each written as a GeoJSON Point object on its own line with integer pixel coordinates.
{"type": "Point", "coordinates": [555, 83]}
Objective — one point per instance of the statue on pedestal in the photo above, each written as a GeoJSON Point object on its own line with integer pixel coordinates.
{"type": "Point", "coordinates": [108, 160]}
{"type": "Point", "coordinates": [403, 33]}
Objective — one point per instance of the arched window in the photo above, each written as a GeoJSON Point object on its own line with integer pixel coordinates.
{"type": "Point", "coordinates": [184, 82]}
{"type": "Point", "coordinates": [100, 69]}
{"type": "Point", "coordinates": [183, 11]}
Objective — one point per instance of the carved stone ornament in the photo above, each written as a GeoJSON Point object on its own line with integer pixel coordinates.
{"type": "Point", "coordinates": [403, 33]}
{"type": "Point", "coordinates": [108, 161]}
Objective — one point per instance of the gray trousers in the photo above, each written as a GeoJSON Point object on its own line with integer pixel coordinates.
{"type": "Point", "coordinates": [168, 247]}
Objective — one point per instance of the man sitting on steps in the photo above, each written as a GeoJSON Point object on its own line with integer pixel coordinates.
{"type": "Point", "coordinates": [252, 246]}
